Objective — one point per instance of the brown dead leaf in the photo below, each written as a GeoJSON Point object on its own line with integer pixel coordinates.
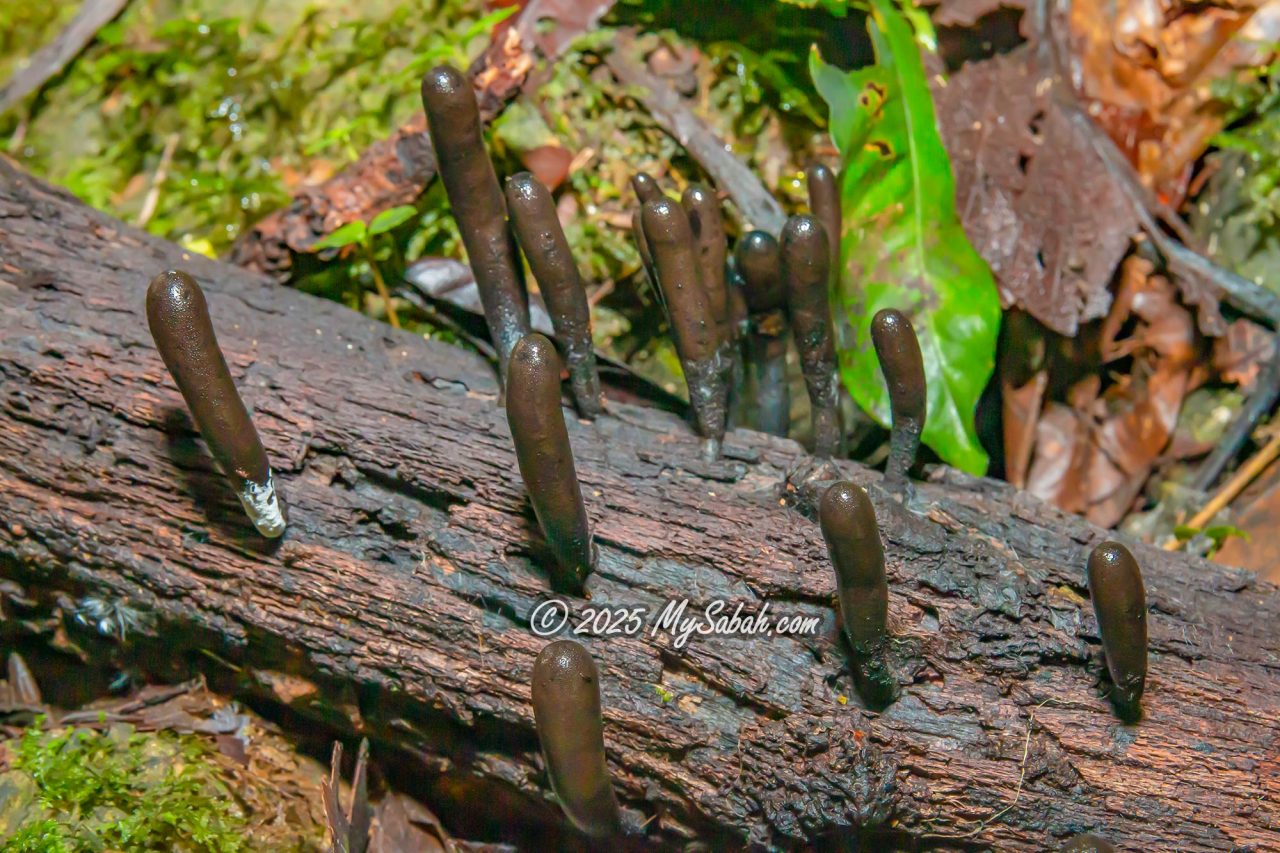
{"type": "Point", "coordinates": [1023, 380]}
{"type": "Point", "coordinates": [1033, 195]}
{"type": "Point", "coordinates": [1144, 68]}
{"type": "Point", "coordinates": [1062, 456]}
{"type": "Point", "coordinates": [402, 825]}
{"type": "Point", "coordinates": [1095, 454]}
{"type": "Point", "coordinates": [1239, 355]}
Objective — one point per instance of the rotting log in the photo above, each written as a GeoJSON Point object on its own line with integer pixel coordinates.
{"type": "Point", "coordinates": [397, 603]}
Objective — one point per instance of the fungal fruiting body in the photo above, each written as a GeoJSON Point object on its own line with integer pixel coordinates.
{"type": "Point", "coordinates": [898, 350]}
{"type": "Point", "coordinates": [566, 712]}
{"type": "Point", "coordinates": [703, 209]}
{"type": "Point", "coordinates": [705, 221]}
{"type": "Point", "coordinates": [848, 523]}
{"type": "Point", "coordinates": [805, 264]}
{"type": "Point", "coordinates": [824, 201]}
{"type": "Point", "coordinates": [546, 460]}
{"type": "Point", "coordinates": [1120, 604]}
{"type": "Point", "coordinates": [646, 189]}
{"type": "Point", "coordinates": [758, 263]}
{"type": "Point", "coordinates": [697, 340]}
{"type": "Point", "coordinates": [538, 227]}
{"type": "Point", "coordinates": [453, 121]}
{"type": "Point", "coordinates": [1086, 843]}
{"type": "Point", "coordinates": [179, 319]}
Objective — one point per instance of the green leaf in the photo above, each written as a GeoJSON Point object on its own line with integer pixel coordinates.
{"type": "Point", "coordinates": [389, 219]}
{"type": "Point", "coordinates": [352, 232]}
{"type": "Point", "coordinates": [903, 246]}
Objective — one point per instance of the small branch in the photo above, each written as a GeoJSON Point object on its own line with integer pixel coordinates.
{"type": "Point", "coordinates": [381, 285]}
{"type": "Point", "coordinates": [757, 206]}
{"type": "Point", "coordinates": [54, 56]}
{"type": "Point", "coordinates": [1232, 488]}
{"type": "Point", "coordinates": [157, 180]}
{"type": "Point", "coordinates": [1258, 406]}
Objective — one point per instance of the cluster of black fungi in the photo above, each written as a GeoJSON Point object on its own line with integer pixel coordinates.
{"type": "Point", "coordinates": [715, 303]}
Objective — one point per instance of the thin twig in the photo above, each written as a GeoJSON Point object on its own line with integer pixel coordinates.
{"type": "Point", "coordinates": [1017, 792]}
{"type": "Point", "coordinates": [1232, 488]}
{"type": "Point", "coordinates": [754, 202]}
{"type": "Point", "coordinates": [54, 56]}
{"type": "Point", "coordinates": [152, 199]}
{"type": "Point", "coordinates": [1257, 407]}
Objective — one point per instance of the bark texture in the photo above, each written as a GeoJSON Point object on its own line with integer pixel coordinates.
{"type": "Point", "coordinates": [398, 603]}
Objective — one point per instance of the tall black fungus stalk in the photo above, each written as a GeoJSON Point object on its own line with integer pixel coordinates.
{"type": "Point", "coordinates": [898, 350]}
{"type": "Point", "coordinates": [179, 319]}
{"type": "Point", "coordinates": [805, 264]}
{"type": "Point", "coordinates": [759, 264]}
{"type": "Point", "coordinates": [566, 712]}
{"type": "Point", "coordinates": [670, 238]}
{"type": "Point", "coordinates": [534, 215]}
{"type": "Point", "coordinates": [453, 121]}
{"type": "Point", "coordinates": [546, 459]}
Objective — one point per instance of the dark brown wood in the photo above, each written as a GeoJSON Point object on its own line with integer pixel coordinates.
{"type": "Point", "coordinates": [397, 604]}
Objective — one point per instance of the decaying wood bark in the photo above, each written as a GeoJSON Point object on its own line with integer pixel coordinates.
{"type": "Point", "coordinates": [398, 603]}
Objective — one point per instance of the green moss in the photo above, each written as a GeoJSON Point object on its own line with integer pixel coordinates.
{"type": "Point", "coordinates": [231, 103]}
{"type": "Point", "coordinates": [75, 789]}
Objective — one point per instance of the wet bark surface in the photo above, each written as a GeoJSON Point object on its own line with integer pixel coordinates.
{"type": "Point", "coordinates": [398, 602]}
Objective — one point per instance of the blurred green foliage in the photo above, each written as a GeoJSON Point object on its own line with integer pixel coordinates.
{"type": "Point", "coordinates": [231, 103]}
{"type": "Point", "coordinates": [1252, 102]}
{"type": "Point", "coordinates": [72, 789]}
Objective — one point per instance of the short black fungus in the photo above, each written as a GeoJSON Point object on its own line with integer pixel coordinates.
{"type": "Point", "coordinates": [566, 711]}
{"type": "Point", "coordinates": [538, 227]}
{"type": "Point", "coordinates": [1120, 604]}
{"type": "Point", "coordinates": [898, 350]}
{"type": "Point", "coordinates": [666, 228]}
{"type": "Point", "coordinates": [179, 319]}
{"type": "Point", "coordinates": [805, 265]}
{"type": "Point", "coordinates": [546, 459]}
{"type": "Point", "coordinates": [453, 120]}
{"type": "Point", "coordinates": [849, 527]}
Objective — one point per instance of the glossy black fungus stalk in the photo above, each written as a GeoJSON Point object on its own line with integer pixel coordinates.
{"type": "Point", "coordinates": [546, 459]}
{"type": "Point", "coordinates": [705, 220]}
{"type": "Point", "coordinates": [538, 227]}
{"type": "Point", "coordinates": [697, 339]}
{"type": "Point", "coordinates": [759, 264]}
{"type": "Point", "coordinates": [1120, 604]}
{"type": "Point", "coordinates": [824, 201]}
{"type": "Point", "coordinates": [849, 527]}
{"type": "Point", "coordinates": [703, 209]}
{"type": "Point", "coordinates": [805, 264]}
{"type": "Point", "coordinates": [453, 121]}
{"type": "Point", "coordinates": [179, 319]}
{"type": "Point", "coordinates": [566, 712]}
{"type": "Point", "coordinates": [645, 187]}
{"type": "Point", "coordinates": [1086, 843]}
{"type": "Point", "coordinates": [898, 349]}
{"type": "Point", "coordinates": [646, 190]}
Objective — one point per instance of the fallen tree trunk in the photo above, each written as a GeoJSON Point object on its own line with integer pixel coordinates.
{"type": "Point", "coordinates": [398, 604]}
